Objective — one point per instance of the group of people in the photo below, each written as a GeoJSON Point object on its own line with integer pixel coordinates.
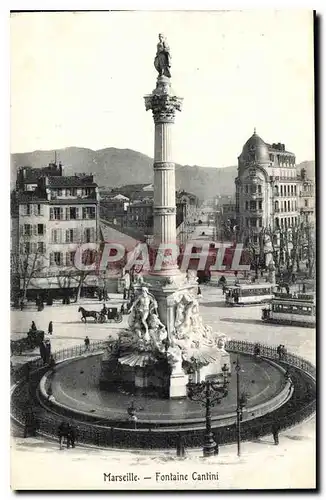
{"type": "Point", "coordinates": [281, 351]}
{"type": "Point", "coordinates": [50, 327]}
{"type": "Point", "coordinates": [67, 431]}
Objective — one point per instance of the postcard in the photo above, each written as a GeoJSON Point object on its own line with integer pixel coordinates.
{"type": "Point", "coordinates": [163, 250]}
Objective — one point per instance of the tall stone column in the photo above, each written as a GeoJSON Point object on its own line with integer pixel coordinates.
{"type": "Point", "coordinates": [164, 103]}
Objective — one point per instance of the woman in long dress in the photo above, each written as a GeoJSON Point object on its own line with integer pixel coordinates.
{"type": "Point", "coordinates": [162, 59]}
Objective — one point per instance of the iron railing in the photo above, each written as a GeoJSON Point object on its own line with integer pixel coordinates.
{"type": "Point", "coordinates": [301, 406]}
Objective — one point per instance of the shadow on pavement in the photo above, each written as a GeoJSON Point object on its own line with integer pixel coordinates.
{"type": "Point", "coordinates": [213, 304]}
{"type": "Point", "coordinates": [245, 321]}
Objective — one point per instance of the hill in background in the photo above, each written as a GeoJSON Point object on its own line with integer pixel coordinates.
{"type": "Point", "coordinates": [116, 167]}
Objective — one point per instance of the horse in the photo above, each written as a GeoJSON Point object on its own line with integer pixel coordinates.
{"type": "Point", "coordinates": [88, 314]}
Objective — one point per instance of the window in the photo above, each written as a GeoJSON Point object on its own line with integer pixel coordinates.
{"type": "Point", "coordinates": [89, 235]}
{"type": "Point", "coordinates": [56, 213]}
{"type": "Point", "coordinates": [28, 229]}
{"type": "Point", "coordinates": [88, 257]}
{"type": "Point", "coordinates": [260, 205]}
{"type": "Point", "coordinates": [56, 236]}
{"type": "Point", "coordinates": [253, 205]}
{"type": "Point", "coordinates": [295, 189]}
{"type": "Point", "coordinates": [27, 247]}
{"type": "Point", "coordinates": [40, 247]}
{"type": "Point", "coordinates": [291, 189]}
{"type": "Point", "coordinates": [28, 210]}
{"type": "Point", "coordinates": [247, 189]}
{"type": "Point", "coordinates": [73, 213]}
{"type": "Point", "coordinates": [69, 236]}
{"type": "Point", "coordinates": [289, 206]}
{"type": "Point", "coordinates": [253, 188]}
{"type": "Point", "coordinates": [259, 189]}
{"type": "Point", "coordinates": [88, 212]}
{"type": "Point", "coordinates": [305, 203]}
{"type": "Point", "coordinates": [56, 259]}
{"type": "Point", "coordinates": [70, 258]}
{"type": "Point", "coordinates": [281, 189]}
{"type": "Point", "coordinates": [40, 229]}
{"type": "Point", "coordinates": [247, 205]}
{"type": "Point", "coordinates": [276, 206]}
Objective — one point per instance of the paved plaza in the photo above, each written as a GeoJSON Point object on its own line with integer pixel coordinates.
{"type": "Point", "coordinates": [296, 450]}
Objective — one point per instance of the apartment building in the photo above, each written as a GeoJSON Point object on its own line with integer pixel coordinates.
{"type": "Point", "coordinates": [56, 214]}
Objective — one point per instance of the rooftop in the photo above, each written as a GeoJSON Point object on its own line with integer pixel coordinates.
{"type": "Point", "coordinates": [71, 181]}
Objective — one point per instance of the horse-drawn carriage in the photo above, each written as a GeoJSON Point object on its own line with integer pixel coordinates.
{"type": "Point", "coordinates": [107, 314]}
{"type": "Point", "coordinates": [112, 315]}
{"type": "Point", "coordinates": [33, 340]}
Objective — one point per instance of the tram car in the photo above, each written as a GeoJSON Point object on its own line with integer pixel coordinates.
{"type": "Point", "coordinates": [297, 310]}
{"type": "Point", "coordinates": [243, 294]}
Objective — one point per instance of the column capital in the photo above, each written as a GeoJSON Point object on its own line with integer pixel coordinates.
{"type": "Point", "coordinates": [163, 107]}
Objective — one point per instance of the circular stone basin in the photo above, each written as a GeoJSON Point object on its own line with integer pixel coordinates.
{"type": "Point", "coordinates": [75, 386]}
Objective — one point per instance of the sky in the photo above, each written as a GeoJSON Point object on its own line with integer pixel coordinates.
{"type": "Point", "coordinates": [78, 79]}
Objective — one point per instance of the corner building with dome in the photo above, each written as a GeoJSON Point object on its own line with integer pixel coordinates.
{"type": "Point", "coordinates": [267, 187]}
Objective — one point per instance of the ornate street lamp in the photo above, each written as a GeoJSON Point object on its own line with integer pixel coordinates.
{"type": "Point", "coordinates": [241, 403]}
{"type": "Point", "coordinates": [209, 393]}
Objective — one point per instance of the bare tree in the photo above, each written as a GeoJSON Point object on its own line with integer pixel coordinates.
{"type": "Point", "coordinates": [25, 267]}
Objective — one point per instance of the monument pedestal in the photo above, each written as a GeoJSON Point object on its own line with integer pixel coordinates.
{"type": "Point", "coordinates": [178, 385]}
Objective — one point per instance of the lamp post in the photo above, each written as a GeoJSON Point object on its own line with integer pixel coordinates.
{"type": "Point", "coordinates": [241, 403]}
{"type": "Point", "coordinates": [209, 393]}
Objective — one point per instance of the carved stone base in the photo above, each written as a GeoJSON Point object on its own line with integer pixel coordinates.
{"type": "Point", "coordinates": [141, 378]}
{"type": "Point", "coordinates": [178, 385]}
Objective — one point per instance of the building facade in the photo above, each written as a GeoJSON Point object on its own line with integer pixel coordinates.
{"type": "Point", "coordinates": [306, 200]}
{"type": "Point", "coordinates": [267, 187]}
{"type": "Point", "coordinates": [56, 214]}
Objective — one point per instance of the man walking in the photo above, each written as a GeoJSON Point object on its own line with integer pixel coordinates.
{"type": "Point", "coordinates": [275, 432]}
{"type": "Point", "coordinates": [50, 328]}
{"type": "Point", "coordinates": [86, 342]}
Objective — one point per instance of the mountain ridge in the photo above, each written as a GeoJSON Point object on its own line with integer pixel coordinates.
{"type": "Point", "coordinates": [115, 167]}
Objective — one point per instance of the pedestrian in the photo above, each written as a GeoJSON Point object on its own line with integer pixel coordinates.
{"type": "Point", "coordinates": [52, 363]}
{"type": "Point", "coordinates": [47, 345]}
{"type": "Point", "coordinates": [30, 423]}
{"type": "Point", "coordinates": [86, 342]}
{"type": "Point", "coordinates": [71, 435]}
{"type": "Point", "coordinates": [304, 288]}
{"type": "Point", "coordinates": [279, 351]}
{"type": "Point", "coordinates": [21, 305]}
{"type": "Point", "coordinates": [33, 326]}
{"type": "Point", "coordinates": [62, 432]}
{"type": "Point", "coordinates": [199, 294]}
{"type": "Point", "coordinates": [50, 328]}
{"type": "Point", "coordinates": [257, 350]}
{"type": "Point", "coordinates": [180, 446]}
{"type": "Point", "coordinates": [275, 432]}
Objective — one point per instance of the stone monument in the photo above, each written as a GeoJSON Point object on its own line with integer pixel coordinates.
{"type": "Point", "coordinates": [167, 343]}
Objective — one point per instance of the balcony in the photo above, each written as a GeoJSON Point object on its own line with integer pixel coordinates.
{"type": "Point", "coordinates": [254, 211]}
{"type": "Point", "coordinates": [307, 209]}
{"type": "Point", "coordinates": [254, 196]}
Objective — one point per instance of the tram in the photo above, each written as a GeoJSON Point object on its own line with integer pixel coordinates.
{"type": "Point", "coordinates": [249, 294]}
{"type": "Point", "coordinates": [293, 310]}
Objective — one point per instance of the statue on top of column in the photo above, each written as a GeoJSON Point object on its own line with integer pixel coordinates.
{"type": "Point", "coordinates": [162, 61]}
